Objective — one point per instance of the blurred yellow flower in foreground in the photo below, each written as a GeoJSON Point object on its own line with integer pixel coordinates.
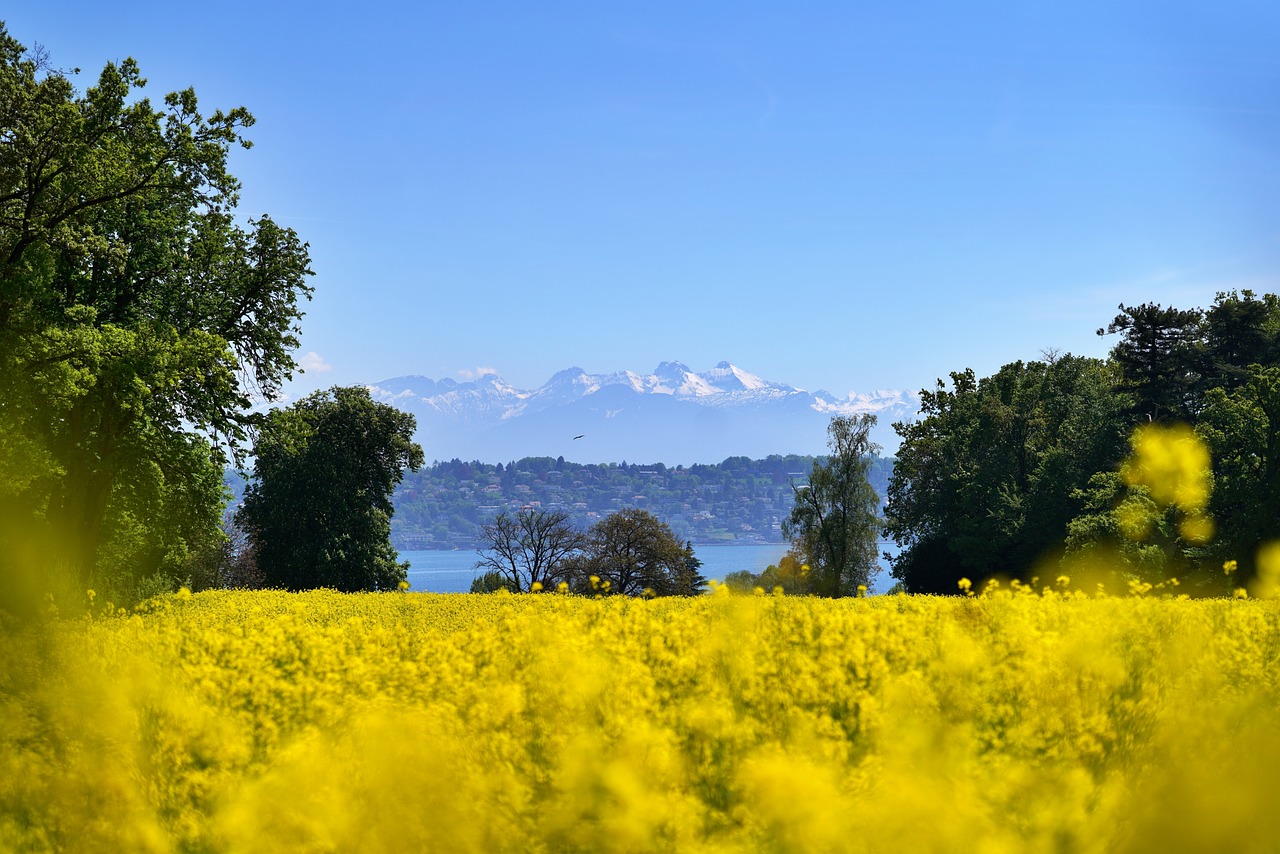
{"type": "Point", "coordinates": [1173, 463]}
{"type": "Point", "coordinates": [1021, 720]}
{"type": "Point", "coordinates": [1266, 585]}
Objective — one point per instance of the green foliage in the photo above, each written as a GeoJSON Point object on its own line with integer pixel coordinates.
{"type": "Point", "coordinates": [792, 574]}
{"type": "Point", "coordinates": [137, 318]}
{"type": "Point", "coordinates": [1002, 473]}
{"type": "Point", "coordinates": [1242, 427]}
{"type": "Point", "coordinates": [741, 581]}
{"type": "Point", "coordinates": [490, 582]}
{"type": "Point", "coordinates": [1122, 526]}
{"type": "Point", "coordinates": [632, 553]}
{"type": "Point", "coordinates": [1240, 330]}
{"type": "Point", "coordinates": [448, 504]}
{"type": "Point", "coordinates": [834, 524]}
{"type": "Point", "coordinates": [1158, 358]}
{"type": "Point", "coordinates": [989, 476]}
{"type": "Point", "coordinates": [318, 511]}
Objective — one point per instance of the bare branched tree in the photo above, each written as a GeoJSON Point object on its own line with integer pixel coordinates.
{"type": "Point", "coordinates": [529, 547]}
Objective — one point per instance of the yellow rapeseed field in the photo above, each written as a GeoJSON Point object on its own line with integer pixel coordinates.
{"type": "Point", "coordinates": [264, 721]}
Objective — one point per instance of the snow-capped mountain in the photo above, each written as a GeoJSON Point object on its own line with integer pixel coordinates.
{"type": "Point", "coordinates": [672, 415]}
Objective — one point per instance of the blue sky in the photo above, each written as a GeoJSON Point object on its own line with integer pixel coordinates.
{"type": "Point", "coordinates": [841, 196]}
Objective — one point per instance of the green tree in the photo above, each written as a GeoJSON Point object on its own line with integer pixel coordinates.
{"type": "Point", "coordinates": [318, 510]}
{"type": "Point", "coordinates": [1239, 330]}
{"type": "Point", "coordinates": [138, 316]}
{"type": "Point", "coordinates": [1242, 428]}
{"type": "Point", "coordinates": [632, 553]}
{"type": "Point", "coordinates": [834, 525]}
{"type": "Point", "coordinates": [1159, 358]}
{"type": "Point", "coordinates": [490, 582]}
{"type": "Point", "coordinates": [794, 576]}
{"type": "Point", "coordinates": [741, 581]}
{"type": "Point", "coordinates": [987, 479]}
{"type": "Point", "coordinates": [529, 548]}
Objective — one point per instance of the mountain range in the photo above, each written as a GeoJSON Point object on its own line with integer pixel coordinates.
{"type": "Point", "coordinates": [672, 415]}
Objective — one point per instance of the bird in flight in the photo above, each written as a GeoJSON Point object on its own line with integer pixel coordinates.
{"type": "Point", "coordinates": [579, 436]}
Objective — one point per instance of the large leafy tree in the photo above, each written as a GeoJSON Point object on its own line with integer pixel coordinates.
{"type": "Point", "coordinates": [318, 512]}
{"type": "Point", "coordinates": [633, 553]}
{"type": "Point", "coordinates": [139, 315]}
{"type": "Point", "coordinates": [834, 525]}
{"type": "Point", "coordinates": [989, 476]}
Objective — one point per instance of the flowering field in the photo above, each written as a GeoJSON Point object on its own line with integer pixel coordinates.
{"type": "Point", "coordinates": [268, 721]}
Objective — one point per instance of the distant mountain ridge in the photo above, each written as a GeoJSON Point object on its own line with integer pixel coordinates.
{"type": "Point", "coordinates": [673, 415]}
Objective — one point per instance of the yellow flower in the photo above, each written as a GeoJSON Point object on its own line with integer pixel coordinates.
{"type": "Point", "coordinates": [403, 585]}
{"type": "Point", "coordinates": [536, 587]}
{"type": "Point", "coordinates": [1229, 567]}
{"type": "Point", "coordinates": [1197, 528]}
{"type": "Point", "coordinates": [1173, 463]}
{"type": "Point", "coordinates": [1266, 585]}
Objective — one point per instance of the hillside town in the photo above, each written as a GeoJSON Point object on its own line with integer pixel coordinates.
{"type": "Point", "coordinates": [739, 501]}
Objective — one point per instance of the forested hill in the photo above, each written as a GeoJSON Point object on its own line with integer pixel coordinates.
{"type": "Point", "coordinates": [739, 500]}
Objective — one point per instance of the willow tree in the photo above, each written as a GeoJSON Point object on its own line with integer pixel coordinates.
{"type": "Point", "coordinates": [834, 526]}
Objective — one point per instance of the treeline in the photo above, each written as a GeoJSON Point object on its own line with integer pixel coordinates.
{"type": "Point", "coordinates": [1007, 475]}
{"type": "Point", "coordinates": [737, 501]}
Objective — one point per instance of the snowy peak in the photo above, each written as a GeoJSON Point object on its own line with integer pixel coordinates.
{"type": "Point", "coordinates": [676, 379]}
{"type": "Point", "coordinates": [672, 414]}
{"type": "Point", "coordinates": [724, 385]}
{"type": "Point", "coordinates": [726, 377]}
{"type": "Point", "coordinates": [731, 379]}
{"type": "Point", "coordinates": [571, 382]}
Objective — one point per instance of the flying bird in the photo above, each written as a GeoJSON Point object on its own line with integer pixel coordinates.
{"type": "Point", "coordinates": [579, 436]}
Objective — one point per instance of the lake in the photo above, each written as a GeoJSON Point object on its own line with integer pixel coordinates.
{"type": "Point", "coordinates": [452, 571]}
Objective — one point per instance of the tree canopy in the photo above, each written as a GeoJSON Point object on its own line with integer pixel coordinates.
{"type": "Point", "coordinates": [986, 478]}
{"type": "Point", "coordinates": [1158, 358]}
{"type": "Point", "coordinates": [834, 525]}
{"type": "Point", "coordinates": [1005, 474]}
{"type": "Point", "coordinates": [139, 316]}
{"type": "Point", "coordinates": [318, 510]}
{"type": "Point", "coordinates": [633, 553]}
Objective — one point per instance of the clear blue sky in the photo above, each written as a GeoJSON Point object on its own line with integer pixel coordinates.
{"type": "Point", "coordinates": [841, 196]}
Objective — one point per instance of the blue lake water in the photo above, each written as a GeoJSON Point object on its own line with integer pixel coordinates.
{"type": "Point", "coordinates": [453, 571]}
